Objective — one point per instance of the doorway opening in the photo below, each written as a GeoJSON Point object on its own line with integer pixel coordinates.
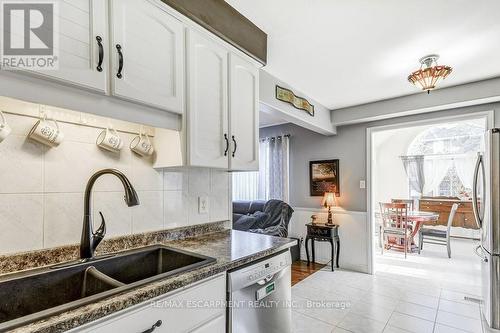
{"type": "Point", "coordinates": [420, 193]}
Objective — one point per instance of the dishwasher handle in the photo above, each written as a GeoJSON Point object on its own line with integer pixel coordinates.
{"type": "Point", "coordinates": [265, 280]}
{"type": "Point", "coordinates": [263, 271]}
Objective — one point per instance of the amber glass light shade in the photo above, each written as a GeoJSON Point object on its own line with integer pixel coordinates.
{"type": "Point", "coordinates": [430, 73]}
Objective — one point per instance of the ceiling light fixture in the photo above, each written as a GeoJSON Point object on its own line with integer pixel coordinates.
{"type": "Point", "coordinates": [429, 74]}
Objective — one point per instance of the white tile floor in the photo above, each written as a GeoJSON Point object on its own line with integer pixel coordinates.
{"type": "Point", "coordinates": [424, 293]}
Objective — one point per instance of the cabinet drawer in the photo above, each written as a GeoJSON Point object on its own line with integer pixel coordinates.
{"type": "Point", "coordinates": [320, 232]}
{"type": "Point", "coordinates": [470, 221]}
{"type": "Point", "coordinates": [459, 220]}
{"type": "Point", "coordinates": [432, 223]}
{"type": "Point", "coordinates": [183, 311]}
{"type": "Point", "coordinates": [216, 325]}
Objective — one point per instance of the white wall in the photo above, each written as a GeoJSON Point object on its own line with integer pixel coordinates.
{"type": "Point", "coordinates": [389, 178]}
{"type": "Point", "coordinates": [353, 231]}
{"type": "Point", "coordinates": [41, 189]}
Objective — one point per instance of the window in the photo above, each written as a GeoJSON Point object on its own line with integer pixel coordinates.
{"type": "Point", "coordinates": [451, 185]}
{"type": "Point", "coordinates": [449, 152]}
{"type": "Point", "coordinates": [450, 139]}
{"type": "Point", "coordinates": [271, 181]}
{"type": "Point", "coordinates": [246, 186]}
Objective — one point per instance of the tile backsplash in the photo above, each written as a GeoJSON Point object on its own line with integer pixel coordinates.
{"type": "Point", "coordinates": [41, 189]}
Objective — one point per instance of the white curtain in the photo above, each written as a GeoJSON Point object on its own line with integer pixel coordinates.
{"type": "Point", "coordinates": [435, 169]}
{"type": "Point", "coordinates": [246, 185]}
{"type": "Point", "coordinates": [425, 173]}
{"type": "Point", "coordinates": [272, 179]}
{"type": "Point", "coordinates": [414, 167]}
{"type": "Point", "coordinates": [263, 169]}
{"type": "Point", "coordinates": [465, 169]}
{"type": "Point", "coordinates": [274, 165]}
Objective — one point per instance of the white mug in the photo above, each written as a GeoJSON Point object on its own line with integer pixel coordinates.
{"type": "Point", "coordinates": [142, 145]}
{"type": "Point", "coordinates": [4, 127]}
{"type": "Point", "coordinates": [46, 133]}
{"type": "Point", "coordinates": [109, 140]}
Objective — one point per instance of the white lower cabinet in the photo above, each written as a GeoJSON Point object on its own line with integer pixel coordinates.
{"type": "Point", "coordinates": [196, 308]}
{"type": "Point", "coordinates": [214, 325]}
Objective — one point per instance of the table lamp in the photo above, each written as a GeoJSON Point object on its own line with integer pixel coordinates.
{"type": "Point", "coordinates": [329, 201]}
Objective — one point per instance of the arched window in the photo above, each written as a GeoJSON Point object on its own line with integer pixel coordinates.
{"type": "Point", "coordinates": [455, 145]}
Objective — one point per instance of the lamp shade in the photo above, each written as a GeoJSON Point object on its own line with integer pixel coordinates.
{"type": "Point", "coordinates": [329, 200]}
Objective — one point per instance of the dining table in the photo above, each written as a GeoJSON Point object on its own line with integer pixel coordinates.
{"type": "Point", "coordinates": [416, 218]}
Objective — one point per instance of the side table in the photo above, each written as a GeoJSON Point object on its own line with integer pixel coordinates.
{"type": "Point", "coordinates": [323, 233]}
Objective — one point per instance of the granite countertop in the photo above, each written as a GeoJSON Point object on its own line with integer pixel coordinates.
{"type": "Point", "coordinates": [230, 248]}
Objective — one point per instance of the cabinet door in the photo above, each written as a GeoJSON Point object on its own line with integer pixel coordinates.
{"type": "Point", "coordinates": [183, 311]}
{"type": "Point", "coordinates": [81, 23]}
{"type": "Point", "coordinates": [207, 118]}
{"type": "Point", "coordinates": [216, 325]}
{"type": "Point", "coordinates": [151, 51]}
{"type": "Point", "coordinates": [244, 114]}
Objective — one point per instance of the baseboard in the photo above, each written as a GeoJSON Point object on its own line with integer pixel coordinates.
{"type": "Point", "coordinates": [323, 258]}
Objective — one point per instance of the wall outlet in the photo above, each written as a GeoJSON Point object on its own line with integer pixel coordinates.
{"type": "Point", "coordinates": [362, 184]}
{"type": "Point", "coordinates": [203, 205]}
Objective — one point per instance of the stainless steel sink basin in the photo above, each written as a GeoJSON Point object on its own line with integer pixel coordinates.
{"type": "Point", "coordinates": [27, 297]}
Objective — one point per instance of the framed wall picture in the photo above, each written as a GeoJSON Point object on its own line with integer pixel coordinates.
{"type": "Point", "coordinates": [324, 177]}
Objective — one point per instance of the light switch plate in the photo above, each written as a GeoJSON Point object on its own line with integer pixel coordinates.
{"type": "Point", "coordinates": [203, 205]}
{"type": "Point", "coordinates": [362, 184]}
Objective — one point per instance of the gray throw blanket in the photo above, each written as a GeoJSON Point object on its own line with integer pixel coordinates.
{"type": "Point", "coordinates": [276, 224]}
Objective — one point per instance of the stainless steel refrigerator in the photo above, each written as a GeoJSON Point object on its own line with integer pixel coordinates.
{"type": "Point", "coordinates": [486, 204]}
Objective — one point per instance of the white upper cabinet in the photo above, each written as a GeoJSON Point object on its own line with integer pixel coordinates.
{"type": "Point", "coordinates": [207, 102]}
{"type": "Point", "coordinates": [147, 58]}
{"type": "Point", "coordinates": [243, 114]}
{"type": "Point", "coordinates": [145, 52]}
{"type": "Point", "coordinates": [82, 44]}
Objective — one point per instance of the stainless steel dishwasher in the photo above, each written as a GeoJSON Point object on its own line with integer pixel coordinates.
{"type": "Point", "coordinates": [259, 296]}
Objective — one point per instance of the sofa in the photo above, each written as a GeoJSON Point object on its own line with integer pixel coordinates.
{"type": "Point", "coordinates": [264, 217]}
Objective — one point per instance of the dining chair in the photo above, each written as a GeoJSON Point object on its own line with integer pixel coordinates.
{"type": "Point", "coordinates": [395, 223]}
{"type": "Point", "coordinates": [435, 236]}
{"type": "Point", "coordinates": [409, 202]}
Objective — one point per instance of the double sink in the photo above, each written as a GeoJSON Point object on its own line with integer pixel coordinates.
{"type": "Point", "coordinates": [31, 296]}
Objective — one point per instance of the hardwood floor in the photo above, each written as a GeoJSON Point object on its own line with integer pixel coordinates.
{"type": "Point", "coordinates": [300, 270]}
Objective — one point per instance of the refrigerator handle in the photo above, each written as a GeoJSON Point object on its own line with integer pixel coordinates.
{"type": "Point", "coordinates": [481, 255]}
{"type": "Point", "coordinates": [475, 206]}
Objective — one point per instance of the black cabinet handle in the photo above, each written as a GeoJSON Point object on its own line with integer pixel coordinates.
{"type": "Point", "coordinates": [227, 144]}
{"type": "Point", "coordinates": [235, 145]}
{"type": "Point", "coordinates": [155, 325]}
{"type": "Point", "coordinates": [101, 53]}
{"type": "Point", "coordinates": [120, 61]}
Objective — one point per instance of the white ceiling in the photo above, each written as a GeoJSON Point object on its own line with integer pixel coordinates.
{"type": "Point", "coordinates": [345, 53]}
